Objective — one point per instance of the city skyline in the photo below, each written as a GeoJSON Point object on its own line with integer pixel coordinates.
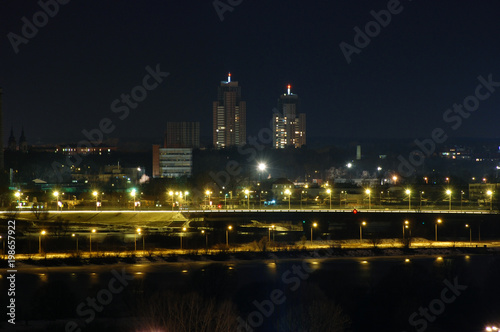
{"type": "Point", "coordinates": [398, 84]}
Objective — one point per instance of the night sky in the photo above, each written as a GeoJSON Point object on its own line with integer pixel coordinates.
{"type": "Point", "coordinates": [427, 58]}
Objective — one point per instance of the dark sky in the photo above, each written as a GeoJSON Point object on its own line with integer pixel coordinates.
{"type": "Point", "coordinates": [427, 58]}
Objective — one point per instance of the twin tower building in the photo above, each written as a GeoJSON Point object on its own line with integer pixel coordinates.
{"type": "Point", "coordinates": [229, 129]}
{"type": "Point", "coordinates": [229, 118]}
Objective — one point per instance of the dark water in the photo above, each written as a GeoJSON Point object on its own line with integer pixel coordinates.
{"type": "Point", "coordinates": [377, 294]}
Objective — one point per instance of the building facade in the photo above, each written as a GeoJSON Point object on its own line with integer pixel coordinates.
{"type": "Point", "coordinates": [289, 127]}
{"type": "Point", "coordinates": [175, 159]}
{"type": "Point", "coordinates": [229, 116]}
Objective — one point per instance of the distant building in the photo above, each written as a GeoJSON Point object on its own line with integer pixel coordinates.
{"type": "Point", "coordinates": [289, 128]}
{"type": "Point", "coordinates": [12, 143]}
{"type": "Point", "coordinates": [175, 159]}
{"type": "Point", "coordinates": [171, 162]}
{"type": "Point", "coordinates": [229, 116]}
{"type": "Point", "coordinates": [23, 144]}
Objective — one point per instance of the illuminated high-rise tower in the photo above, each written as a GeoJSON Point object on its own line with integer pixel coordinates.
{"type": "Point", "coordinates": [229, 115]}
{"type": "Point", "coordinates": [289, 128]}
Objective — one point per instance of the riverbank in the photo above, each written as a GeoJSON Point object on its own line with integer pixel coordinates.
{"type": "Point", "coordinates": [228, 255]}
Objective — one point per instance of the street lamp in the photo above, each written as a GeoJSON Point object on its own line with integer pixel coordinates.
{"type": "Point", "coordinates": [406, 224]}
{"type": "Point", "coordinates": [133, 193]}
{"type": "Point", "coordinates": [301, 193]}
{"type": "Point", "coordinates": [329, 192]}
{"type": "Point", "coordinates": [206, 238]}
{"type": "Point", "coordinates": [208, 193]}
{"type": "Point", "coordinates": [90, 240]}
{"type": "Point", "coordinates": [137, 231]}
{"type": "Point", "coordinates": [436, 229]}
{"type": "Point", "coordinates": [56, 194]}
{"type": "Point", "coordinates": [247, 192]}
{"type": "Point", "coordinates": [448, 192]}
{"type": "Point", "coordinates": [421, 193]}
{"type": "Point", "coordinates": [183, 230]}
{"type": "Point", "coordinates": [470, 232]}
{"type": "Point", "coordinates": [314, 225]}
{"type": "Point", "coordinates": [95, 195]}
{"type": "Point", "coordinates": [368, 192]}
{"type": "Point", "coordinates": [186, 193]}
{"type": "Point", "coordinates": [261, 167]}
{"type": "Point", "coordinates": [40, 241]}
{"type": "Point", "coordinates": [289, 193]}
{"type": "Point", "coordinates": [18, 196]}
{"type": "Point", "coordinates": [271, 228]}
{"type": "Point", "coordinates": [490, 193]}
{"type": "Point", "coordinates": [171, 194]}
{"type": "Point", "coordinates": [227, 234]}
{"type": "Point", "coordinates": [361, 230]}
{"type": "Point", "coordinates": [76, 237]}
{"type": "Point", "coordinates": [408, 192]}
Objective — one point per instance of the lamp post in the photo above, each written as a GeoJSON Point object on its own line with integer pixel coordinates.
{"type": "Point", "coordinates": [56, 194]}
{"type": "Point", "coordinates": [95, 195]}
{"type": "Point", "coordinates": [186, 193]}
{"type": "Point", "coordinates": [261, 167]}
{"type": "Point", "coordinates": [271, 228]}
{"type": "Point", "coordinates": [181, 234]}
{"type": "Point", "coordinates": [40, 241]}
{"type": "Point", "coordinates": [208, 193]}
{"type": "Point", "coordinates": [329, 192]}
{"type": "Point", "coordinates": [461, 199]}
{"type": "Point", "coordinates": [405, 225]}
{"type": "Point", "coordinates": [436, 229]}
{"type": "Point", "coordinates": [18, 196]}
{"type": "Point", "coordinates": [470, 232]}
{"type": "Point", "coordinates": [421, 193]}
{"type": "Point", "coordinates": [171, 194]}
{"type": "Point", "coordinates": [314, 225]}
{"type": "Point", "coordinates": [301, 193]}
{"type": "Point", "coordinates": [490, 193]}
{"type": "Point", "coordinates": [137, 231]}
{"type": "Point", "coordinates": [133, 193]}
{"type": "Point", "coordinates": [247, 192]}
{"type": "Point", "coordinates": [76, 237]}
{"type": "Point", "coordinates": [289, 193]}
{"type": "Point", "coordinates": [361, 230]}
{"type": "Point", "coordinates": [227, 234]}
{"type": "Point", "coordinates": [368, 192]}
{"type": "Point", "coordinates": [448, 192]}
{"type": "Point", "coordinates": [90, 240]}
{"type": "Point", "coordinates": [206, 238]}
{"type": "Point", "coordinates": [408, 192]}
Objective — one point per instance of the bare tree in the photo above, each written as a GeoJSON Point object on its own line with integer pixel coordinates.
{"type": "Point", "coordinates": [187, 313]}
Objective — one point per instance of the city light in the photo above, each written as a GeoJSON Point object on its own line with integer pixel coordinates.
{"type": "Point", "coordinates": [368, 192]}
{"type": "Point", "coordinates": [314, 225]}
{"type": "Point", "coordinates": [361, 230]}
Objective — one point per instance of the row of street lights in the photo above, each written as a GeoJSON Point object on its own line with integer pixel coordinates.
{"type": "Point", "coordinates": [405, 226]}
